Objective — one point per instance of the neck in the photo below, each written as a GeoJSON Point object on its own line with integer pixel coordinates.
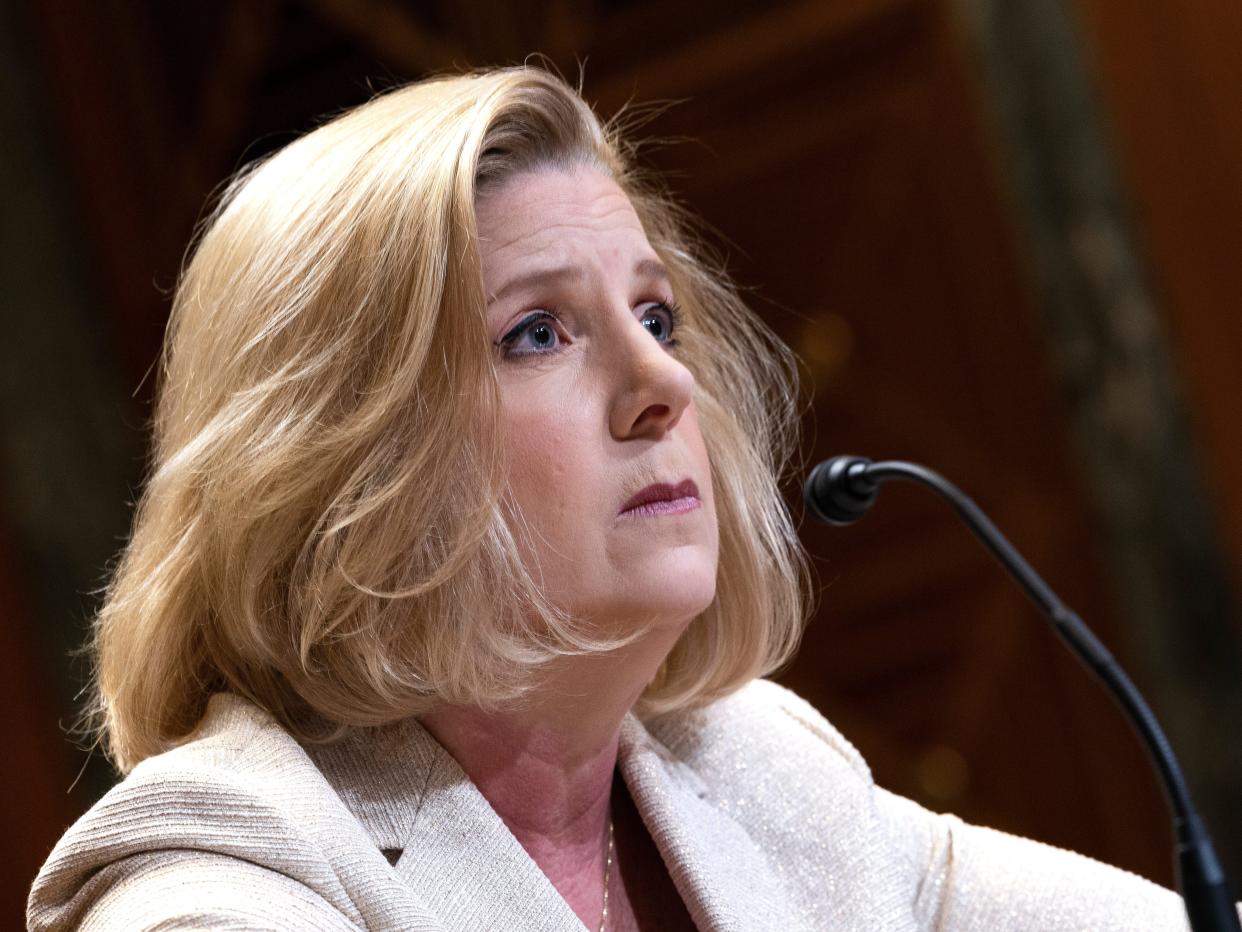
{"type": "Point", "coordinates": [546, 765]}
{"type": "Point", "coordinates": [546, 768]}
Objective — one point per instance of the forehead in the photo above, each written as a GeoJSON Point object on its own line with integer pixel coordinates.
{"type": "Point", "coordinates": [555, 213]}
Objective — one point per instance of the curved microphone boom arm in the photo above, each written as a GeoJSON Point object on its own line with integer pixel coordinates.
{"type": "Point", "coordinates": [841, 490]}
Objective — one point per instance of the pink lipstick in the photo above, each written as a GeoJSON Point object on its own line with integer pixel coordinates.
{"type": "Point", "coordinates": [663, 499]}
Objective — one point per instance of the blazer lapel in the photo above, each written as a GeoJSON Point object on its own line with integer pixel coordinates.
{"type": "Point", "coordinates": [463, 863]}
{"type": "Point", "coordinates": [725, 880]}
{"type": "Point", "coordinates": [478, 876]}
{"type": "Point", "coordinates": [466, 867]}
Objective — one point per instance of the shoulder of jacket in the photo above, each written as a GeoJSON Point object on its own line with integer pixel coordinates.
{"type": "Point", "coordinates": [234, 737]}
{"type": "Point", "coordinates": [239, 760]}
{"type": "Point", "coordinates": [776, 701]}
{"type": "Point", "coordinates": [240, 787]}
{"type": "Point", "coordinates": [762, 715]}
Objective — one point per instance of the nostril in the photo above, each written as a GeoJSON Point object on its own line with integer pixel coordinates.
{"type": "Point", "coordinates": [652, 413]}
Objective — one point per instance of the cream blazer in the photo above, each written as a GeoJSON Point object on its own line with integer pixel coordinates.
{"type": "Point", "coordinates": [766, 818]}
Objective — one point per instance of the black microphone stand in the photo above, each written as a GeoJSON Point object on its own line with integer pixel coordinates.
{"type": "Point", "coordinates": [840, 490]}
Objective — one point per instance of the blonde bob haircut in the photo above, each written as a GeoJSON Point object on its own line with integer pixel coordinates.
{"type": "Point", "coordinates": [324, 528]}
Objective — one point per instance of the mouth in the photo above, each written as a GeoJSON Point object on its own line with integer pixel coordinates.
{"type": "Point", "coordinates": [663, 499]}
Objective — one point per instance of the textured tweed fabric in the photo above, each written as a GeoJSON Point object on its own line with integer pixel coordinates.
{"type": "Point", "coordinates": [765, 816]}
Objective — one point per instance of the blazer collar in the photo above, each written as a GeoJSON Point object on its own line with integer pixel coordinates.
{"type": "Point", "coordinates": [466, 866]}
{"type": "Point", "coordinates": [457, 855]}
{"type": "Point", "coordinates": [725, 880]}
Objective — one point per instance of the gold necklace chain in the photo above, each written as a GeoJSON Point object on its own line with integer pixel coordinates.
{"type": "Point", "coordinates": [603, 919]}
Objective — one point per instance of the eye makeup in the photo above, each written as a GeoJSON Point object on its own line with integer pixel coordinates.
{"type": "Point", "coordinates": [546, 330]}
{"type": "Point", "coordinates": [543, 326]}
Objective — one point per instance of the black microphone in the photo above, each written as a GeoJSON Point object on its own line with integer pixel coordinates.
{"type": "Point", "coordinates": [841, 490]}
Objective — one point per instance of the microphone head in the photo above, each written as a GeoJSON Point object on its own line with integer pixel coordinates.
{"type": "Point", "coordinates": [839, 491]}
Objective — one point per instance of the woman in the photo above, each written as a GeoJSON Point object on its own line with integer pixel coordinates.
{"type": "Point", "coordinates": [459, 562]}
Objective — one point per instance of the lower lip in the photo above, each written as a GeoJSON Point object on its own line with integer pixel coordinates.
{"type": "Point", "coordinates": [672, 506]}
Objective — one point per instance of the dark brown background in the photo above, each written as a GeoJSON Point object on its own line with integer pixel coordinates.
{"type": "Point", "coordinates": [889, 177]}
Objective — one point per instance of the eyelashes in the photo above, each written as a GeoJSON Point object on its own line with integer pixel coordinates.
{"type": "Point", "coordinates": [545, 319]}
{"type": "Point", "coordinates": [542, 332]}
{"type": "Point", "coordinates": [662, 320]}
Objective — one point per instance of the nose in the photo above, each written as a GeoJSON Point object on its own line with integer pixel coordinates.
{"type": "Point", "coordinates": [654, 388]}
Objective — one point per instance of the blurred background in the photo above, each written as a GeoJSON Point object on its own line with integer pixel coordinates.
{"type": "Point", "coordinates": [1003, 236]}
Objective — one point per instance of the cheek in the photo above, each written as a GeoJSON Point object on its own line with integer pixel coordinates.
{"type": "Point", "coordinates": [544, 461]}
{"type": "Point", "coordinates": [698, 449]}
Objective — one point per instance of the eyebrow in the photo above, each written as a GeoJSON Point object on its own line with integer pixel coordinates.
{"type": "Point", "coordinates": [545, 278]}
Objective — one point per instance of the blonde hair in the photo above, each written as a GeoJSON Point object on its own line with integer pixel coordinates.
{"type": "Point", "coordinates": [323, 527]}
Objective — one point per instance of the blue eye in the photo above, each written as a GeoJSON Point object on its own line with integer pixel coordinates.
{"type": "Point", "coordinates": [534, 334]}
{"type": "Point", "coordinates": [661, 321]}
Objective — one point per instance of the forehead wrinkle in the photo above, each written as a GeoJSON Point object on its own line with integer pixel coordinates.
{"type": "Point", "coordinates": [525, 230]}
{"type": "Point", "coordinates": [528, 263]}
{"type": "Point", "coordinates": [552, 253]}
{"type": "Point", "coordinates": [550, 228]}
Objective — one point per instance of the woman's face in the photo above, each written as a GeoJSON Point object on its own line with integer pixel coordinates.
{"type": "Point", "coordinates": [605, 459]}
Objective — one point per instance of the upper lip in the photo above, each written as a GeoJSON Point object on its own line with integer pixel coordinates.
{"type": "Point", "coordinates": [661, 492]}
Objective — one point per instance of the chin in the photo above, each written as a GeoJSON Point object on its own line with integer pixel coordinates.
{"type": "Point", "coordinates": [673, 591]}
